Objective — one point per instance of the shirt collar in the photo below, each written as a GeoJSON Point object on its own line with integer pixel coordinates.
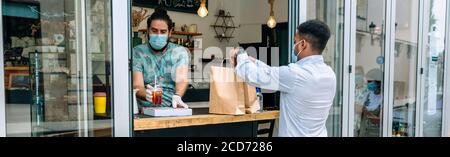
{"type": "Point", "coordinates": [311, 59]}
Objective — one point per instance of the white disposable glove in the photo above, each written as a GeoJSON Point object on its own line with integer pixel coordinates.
{"type": "Point", "coordinates": [149, 93]}
{"type": "Point", "coordinates": [178, 103]}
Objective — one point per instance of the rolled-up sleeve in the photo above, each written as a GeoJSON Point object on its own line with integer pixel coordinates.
{"type": "Point", "coordinates": [261, 75]}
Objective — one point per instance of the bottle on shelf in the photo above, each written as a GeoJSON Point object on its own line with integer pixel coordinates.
{"type": "Point", "coordinates": [260, 97]}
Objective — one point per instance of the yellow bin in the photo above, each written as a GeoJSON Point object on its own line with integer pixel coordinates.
{"type": "Point", "coordinates": [100, 103]}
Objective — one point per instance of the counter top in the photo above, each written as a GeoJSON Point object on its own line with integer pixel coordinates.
{"type": "Point", "coordinates": [154, 123]}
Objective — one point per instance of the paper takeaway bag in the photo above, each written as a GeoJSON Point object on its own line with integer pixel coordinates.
{"type": "Point", "coordinates": [251, 100]}
{"type": "Point", "coordinates": [230, 95]}
{"type": "Point", "coordinates": [226, 92]}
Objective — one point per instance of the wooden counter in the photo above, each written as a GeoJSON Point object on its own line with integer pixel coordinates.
{"type": "Point", "coordinates": [144, 124]}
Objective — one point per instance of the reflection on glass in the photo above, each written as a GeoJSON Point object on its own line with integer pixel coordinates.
{"type": "Point", "coordinates": [331, 12]}
{"type": "Point", "coordinates": [434, 67]}
{"type": "Point", "coordinates": [67, 88]}
{"type": "Point", "coordinates": [369, 68]}
{"type": "Point", "coordinates": [405, 65]}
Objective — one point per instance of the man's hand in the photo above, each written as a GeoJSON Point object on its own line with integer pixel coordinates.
{"type": "Point", "coordinates": [234, 54]}
{"type": "Point", "coordinates": [178, 103]}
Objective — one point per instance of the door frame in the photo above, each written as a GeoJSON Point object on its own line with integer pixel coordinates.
{"type": "Point", "coordinates": [446, 107]}
{"type": "Point", "coordinates": [121, 30]}
{"type": "Point", "coordinates": [2, 78]}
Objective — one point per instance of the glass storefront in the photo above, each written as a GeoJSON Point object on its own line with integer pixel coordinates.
{"type": "Point", "coordinates": [57, 56]}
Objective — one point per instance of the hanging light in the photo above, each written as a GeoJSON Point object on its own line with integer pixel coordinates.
{"type": "Point", "coordinates": [202, 11]}
{"type": "Point", "coordinates": [272, 23]}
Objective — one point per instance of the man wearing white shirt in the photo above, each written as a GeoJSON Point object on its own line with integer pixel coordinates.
{"type": "Point", "coordinates": [307, 87]}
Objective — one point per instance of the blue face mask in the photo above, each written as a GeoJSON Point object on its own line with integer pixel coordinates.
{"type": "Point", "coordinates": [158, 42]}
{"type": "Point", "coordinates": [372, 86]}
{"type": "Point", "coordinates": [294, 55]}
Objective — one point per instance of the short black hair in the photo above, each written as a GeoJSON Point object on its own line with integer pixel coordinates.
{"type": "Point", "coordinates": [316, 32]}
{"type": "Point", "coordinates": [160, 14]}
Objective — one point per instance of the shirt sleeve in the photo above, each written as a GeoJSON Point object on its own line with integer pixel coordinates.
{"type": "Point", "coordinates": [138, 60]}
{"type": "Point", "coordinates": [182, 57]}
{"type": "Point", "coordinates": [261, 75]}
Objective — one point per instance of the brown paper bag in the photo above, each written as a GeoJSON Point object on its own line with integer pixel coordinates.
{"type": "Point", "coordinates": [251, 100]}
{"type": "Point", "coordinates": [226, 92]}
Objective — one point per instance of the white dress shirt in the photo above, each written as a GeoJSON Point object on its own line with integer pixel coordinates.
{"type": "Point", "coordinates": [307, 91]}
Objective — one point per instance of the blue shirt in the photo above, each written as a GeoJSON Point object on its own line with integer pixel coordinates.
{"type": "Point", "coordinates": [162, 65]}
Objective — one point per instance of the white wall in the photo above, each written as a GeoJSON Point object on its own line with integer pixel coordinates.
{"type": "Point", "coordinates": [249, 15]}
{"type": "Point", "coordinates": [254, 13]}
{"type": "Point", "coordinates": [204, 24]}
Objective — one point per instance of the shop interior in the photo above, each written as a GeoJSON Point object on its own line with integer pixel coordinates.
{"type": "Point", "coordinates": [228, 24]}
{"type": "Point", "coordinates": [48, 89]}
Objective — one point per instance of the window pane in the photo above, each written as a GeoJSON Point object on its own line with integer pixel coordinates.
{"type": "Point", "coordinates": [406, 50]}
{"type": "Point", "coordinates": [369, 74]}
{"type": "Point", "coordinates": [435, 20]}
{"type": "Point", "coordinates": [55, 85]}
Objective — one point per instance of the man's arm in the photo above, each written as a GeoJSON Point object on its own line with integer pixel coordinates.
{"type": "Point", "coordinates": [259, 74]}
{"type": "Point", "coordinates": [138, 83]}
{"type": "Point", "coordinates": [182, 81]}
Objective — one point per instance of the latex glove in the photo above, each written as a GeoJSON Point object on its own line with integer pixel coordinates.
{"type": "Point", "coordinates": [178, 103]}
{"type": "Point", "coordinates": [149, 93]}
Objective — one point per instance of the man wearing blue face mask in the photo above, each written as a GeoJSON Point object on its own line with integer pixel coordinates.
{"type": "Point", "coordinates": [372, 105]}
{"type": "Point", "coordinates": [307, 86]}
{"type": "Point", "coordinates": [160, 63]}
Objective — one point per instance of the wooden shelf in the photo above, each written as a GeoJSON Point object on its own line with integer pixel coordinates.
{"type": "Point", "coordinates": [223, 16]}
{"type": "Point", "coordinates": [224, 37]}
{"type": "Point", "coordinates": [22, 68]}
{"type": "Point", "coordinates": [223, 26]}
{"type": "Point", "coordinates": [186, 33]}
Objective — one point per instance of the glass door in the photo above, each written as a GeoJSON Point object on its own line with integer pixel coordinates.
{"type": "Point", "coordinates": [369, 66]}
{"type": "Point", "coordinates": [332, 13]}
{"type": "Point", "coordinates": [57, 57]}
{"type": "Point", "coordinates": [405, 68]}
{"type": "Point", "coordinates": [433, 54]}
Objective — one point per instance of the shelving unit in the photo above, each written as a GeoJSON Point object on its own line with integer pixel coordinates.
{"type": "Point", "coordinates": [224, 27]}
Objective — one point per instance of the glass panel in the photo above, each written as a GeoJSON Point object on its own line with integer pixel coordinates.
{"type": "Point", "coordinates": [406, 50]}
{"type": "Point", "coordinates": [369, 74]}
{"type": "Point", "coordinates": [332, 13]}
{"type": "Point", "coordinates": [435, 20]}
{"type": "Point", "coordinates": [55, 87]}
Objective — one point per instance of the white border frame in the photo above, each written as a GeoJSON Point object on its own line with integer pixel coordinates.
{"type": "Point", "coordinates": [2, 83]}
{"type": "Point", "coordinates": [122, 117]}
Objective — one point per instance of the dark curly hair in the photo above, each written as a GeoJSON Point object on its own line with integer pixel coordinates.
{"type": "Point", "coordinates": [316, 32]}
{"type": "Point", "coordinates": [160, 14]}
